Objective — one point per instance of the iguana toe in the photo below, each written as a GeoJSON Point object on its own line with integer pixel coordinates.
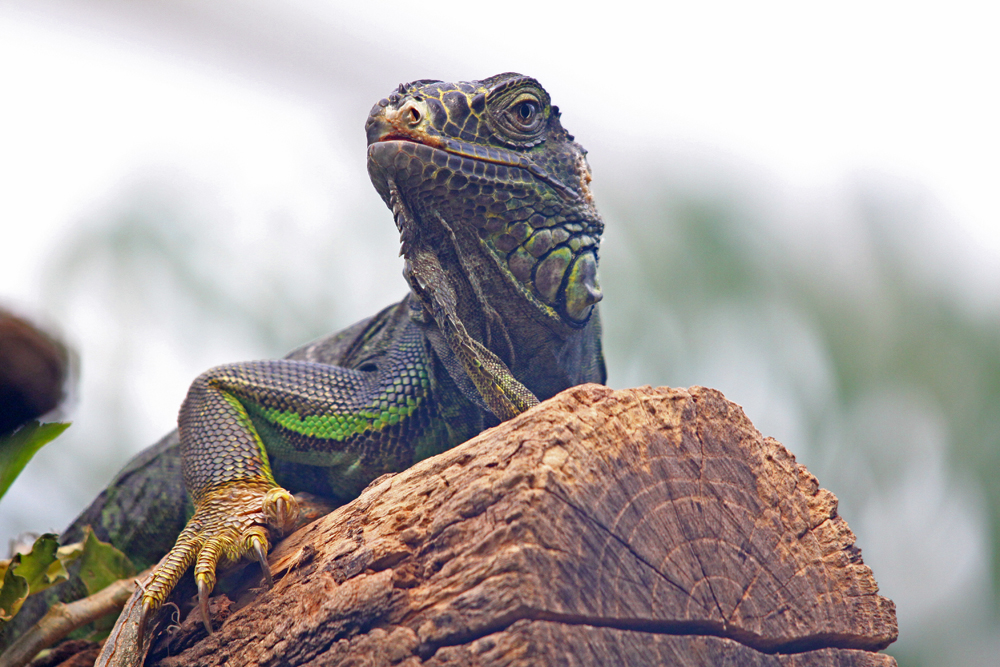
{"type": "Point", "coordinates": [280, 508]}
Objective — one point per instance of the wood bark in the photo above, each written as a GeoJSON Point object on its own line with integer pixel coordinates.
{"type": "Point", "coordinates": [632, 527]}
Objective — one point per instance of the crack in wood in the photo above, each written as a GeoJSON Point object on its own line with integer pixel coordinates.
{"type": "Point", "coordinates": [799, 645]}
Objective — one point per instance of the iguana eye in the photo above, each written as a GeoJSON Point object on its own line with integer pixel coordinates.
{"type": "Point", "coordinates": [525, 116]}
{"type": "Point", "coordinates": [526, 112]}
{"type": "Point", "coordinates": [517, 112]}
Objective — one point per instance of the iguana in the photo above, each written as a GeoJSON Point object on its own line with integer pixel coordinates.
{"type": "Point", "coordinates": [500, 238]}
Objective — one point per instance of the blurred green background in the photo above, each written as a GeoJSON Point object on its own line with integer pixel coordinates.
{"type": "Point", "coordinates": [182, 184]}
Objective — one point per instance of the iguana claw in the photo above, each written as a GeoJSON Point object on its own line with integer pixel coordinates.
{"type": "Point", "coordinates": [261, 550]}
{"type": "Point", "coordinates": [147, 610]}
{"type": "Point", "coordinates": [204, 589]}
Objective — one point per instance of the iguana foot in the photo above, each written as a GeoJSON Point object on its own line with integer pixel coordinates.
{"type": "Point", "coordinates": [230, 522]}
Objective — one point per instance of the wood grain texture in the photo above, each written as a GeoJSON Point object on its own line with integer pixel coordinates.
{"type": "Point", "coordinates": [639, 526]}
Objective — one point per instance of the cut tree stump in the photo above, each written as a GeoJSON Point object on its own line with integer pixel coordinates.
{"type": "Point", "coordinates": [632, 527]}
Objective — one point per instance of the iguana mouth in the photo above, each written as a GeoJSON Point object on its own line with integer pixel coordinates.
{"type": "Point", "coordinates": [485, 154]}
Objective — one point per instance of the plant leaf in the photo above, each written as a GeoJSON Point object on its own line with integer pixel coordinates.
{"type": "Point", "coordinates": [17, 448]}
{"type": "Point", "coordinates": [68, 553]}
{"type": "Point", "coordinates": [34, 567]}
{"type": "Point", "coordinates": [12, 593]}
{"type": "Point", "coordinates": [30, 573]}
{"type": "Point", "coordinates": [101, 564]}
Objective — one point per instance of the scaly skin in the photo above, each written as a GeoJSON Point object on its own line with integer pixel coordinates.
{"type": "Point", "coordinates": [500, 236]}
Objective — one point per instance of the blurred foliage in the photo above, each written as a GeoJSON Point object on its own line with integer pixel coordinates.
{"type": "Point", "coordinates": [101, 564]}
{"type": "Point", "coordinates": [17, 448]}
{"type": "Point", "coordinates": [30, 573]}
{"type": "Point", "coordinates": [156, 252]}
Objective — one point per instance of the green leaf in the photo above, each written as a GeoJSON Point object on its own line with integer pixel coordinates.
{"type": "Point", "coordinates": [17, 448]}
{"type": "Point", "coordinates": [101, 564]}
{"type": "Point", "coordinates": [12, 594]}
{"type": "Point", "coordinates": [27, 574]}
{"type": "Point", "coordinates": [35, 567]}
{"type": "Point", "coordinates": [30, 573]}
{"type": "Point", "coordinates": [54, 574]}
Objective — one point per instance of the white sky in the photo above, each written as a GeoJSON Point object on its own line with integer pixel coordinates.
{"type": "Point", "coordinates": [79, 118]}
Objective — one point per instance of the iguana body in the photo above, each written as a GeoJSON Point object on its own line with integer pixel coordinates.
{"type": "Point", "coordinates": [500, 236]}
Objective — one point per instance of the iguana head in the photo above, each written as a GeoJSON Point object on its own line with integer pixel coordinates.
{"type": "Point", "coordinates": [490, 160]}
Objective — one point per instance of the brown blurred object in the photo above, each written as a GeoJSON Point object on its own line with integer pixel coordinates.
{"type": "Point", "coordinates": [33, 371]}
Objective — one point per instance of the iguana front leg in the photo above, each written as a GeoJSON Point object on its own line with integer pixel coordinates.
{"type": "Point", "coordinates": [359, 424]}
{"type": "Point", "coordinates": [227, 473]}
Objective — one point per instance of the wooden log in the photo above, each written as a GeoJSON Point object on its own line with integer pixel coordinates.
{"type": "Point", "coordinates": [640, 527]}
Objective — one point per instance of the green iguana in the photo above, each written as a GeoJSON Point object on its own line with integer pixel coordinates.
{"type": "Point", "coordinates": [500, 237]}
